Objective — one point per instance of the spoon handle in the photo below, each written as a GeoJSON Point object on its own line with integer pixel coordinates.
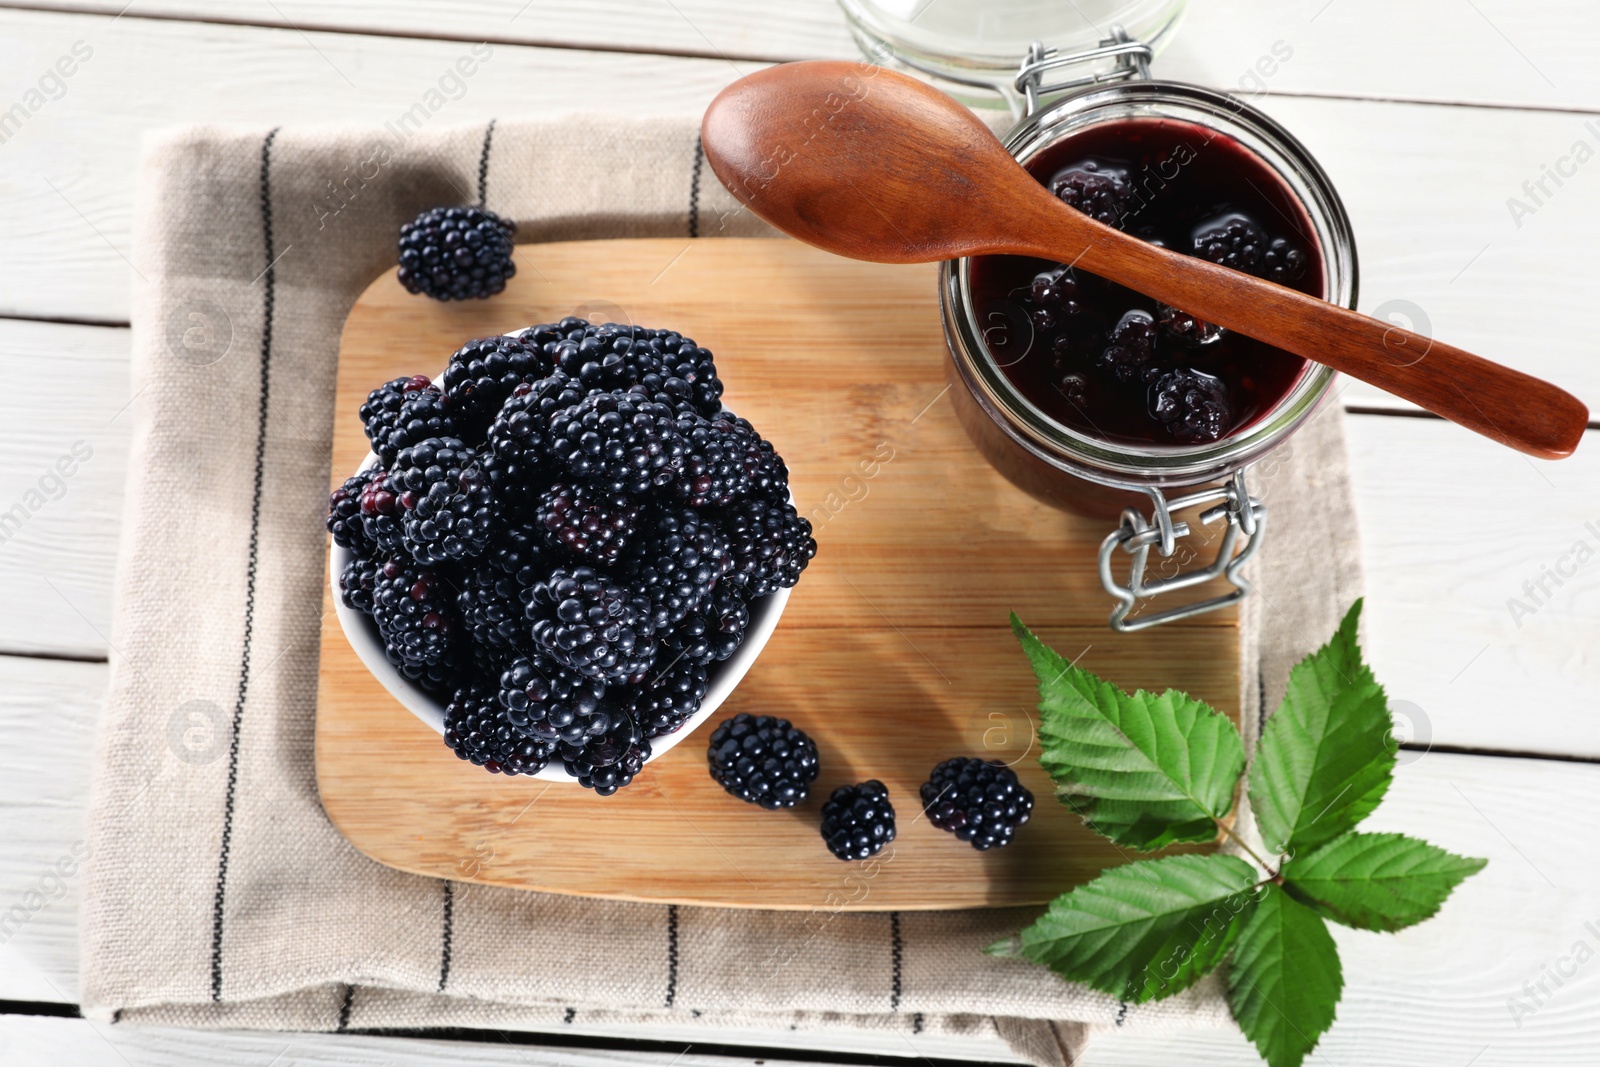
{"type": "Point", "coordinates": [1505, 405]}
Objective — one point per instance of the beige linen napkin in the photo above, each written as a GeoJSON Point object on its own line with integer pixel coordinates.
{"type": "Point", "coordinates": [217, 892]}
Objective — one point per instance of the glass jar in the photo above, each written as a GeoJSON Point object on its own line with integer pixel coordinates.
{"type": "Point", "coordinates": [1094, 476]}
{"type": "Point", "coordinates": [969, 48]}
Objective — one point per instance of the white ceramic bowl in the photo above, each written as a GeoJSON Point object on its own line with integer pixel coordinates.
{"type": "Point", "coordinates": [362, 633]}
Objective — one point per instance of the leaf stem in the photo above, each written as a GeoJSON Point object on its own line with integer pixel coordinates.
{"type": "Point", "coordinates": [1269, 868]}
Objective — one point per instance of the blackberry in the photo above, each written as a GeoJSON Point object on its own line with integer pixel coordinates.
{"type": "Point", "coordinates": [772, 544]}
{"type": "Point", "coordinates": [610, 356]}
{"type": "Point", "coordinates": [344, 513]}
{"type": "Point", "coordinates": [1193, 405]}
{"type": "Point", "coordinates": [606, 748]}
{"type": "Point", "coordinates": [515, 484]}
{"type": "Point", "coordinates": [1186, 327]}
{"type": "Point", "coordinates": [681, 555]}
{"type": "Point", "coordinates": [711, 632]}
{"type": "Point", "coordinates": [591, 354]}
{"type": "Point", "coordinates": [357, 582]}
{"type": "Point", "coordinates": [381, 409]}
{"type": "Point", "coordinates": [1231, 241]}
{"type": "Point", "coordinates": [606, 780]}
{"type": "Point", "coordinates": [540, 337]}
{"type": "Point", "coordinates": [476, 727]}
{"type": "Point", "coordinates": [481, 375]}
{"type": "Point", "coordinates": [667, 355]}
{"type": "Point", "coordinates": [1103, 195]}
{"type": "Point", "coordinates": [446, 507]}
{"type": "Point", "coordinates": [763, 760]}
{"type": "Point", "coordinates": [594, 525]}
{"type": "Point", "coordinates": [664, 703]}
{"type": "Point", "coordinates": [621, 442]}
{"type": "Point", "coordinates": [858, 820]}
{"type": "Point", "coordinates": [380, 516]}
{"type": "Point", "coordinates": [444, 677]}
{"type": "Point", "coordinates": [552, 702]}
{"type": "Point", "coordinates": [1131, 351]}
{"type": "Point", "coordinates": [411, 605]}
{"type": "Point", "coordinates": [1061, 290]}
{"type": "Point", "coordinates": [456, 253]}
{"type": "Point", "coordinates": [518, 459]}
{"type": "Point", "coordinates": [1077, 344]}
{"type": "Point", "coordinates": [521, 429]}
{"type": "Point", "coordinates": [519, 552]}
{"type": "Point", "coordinates": [1283, 263]}
{"type": "Point", "coordinates": [979, 801]}
{"type": "Point", "coordinates": [584, 620]}
{"type": "Point", "coordinates": [402, 413]}
{"type": "Point", "coordinates": [494, 587]}
{"type": "Point", "coordinates": [1075, 388]}
{"type": "Point", "coordinates": [489, 603]}
{"type": "Point", "coordinates": [727, 459]}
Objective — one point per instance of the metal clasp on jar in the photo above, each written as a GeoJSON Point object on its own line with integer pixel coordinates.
{"type": "Point", "coordinates": [1246, 517]}
{"type": "Point", "coordinates": [1132, 59]}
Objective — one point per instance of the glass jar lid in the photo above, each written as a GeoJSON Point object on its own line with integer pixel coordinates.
{"type": "Point", "coordinates": [975, 48]}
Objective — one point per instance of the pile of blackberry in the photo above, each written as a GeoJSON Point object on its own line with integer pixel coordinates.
{"type": "Point", "coordinates": [1094, 329]}
{"type": "Point", "coordinates": [769, 762]}
{"type": "Point", "coordinates": [562, 536]}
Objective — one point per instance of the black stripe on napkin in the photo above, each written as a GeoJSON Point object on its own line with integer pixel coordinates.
{"type": "Point", "coordinates": [344, 1008]}
{"type": "Point", "coordinates": [694, 187]}
{"type": "Point", "coordinates": [449, 923]}
{"type": "Point", "coordinates": [483, 165]}
{"type": "Point", "coordinates": [898, 955]}
{"type": "Point", "coordinates": [1261, 698]}
{"type": "Point", "coordinates": [672, 954]}
{"type": "Point", "coordinates": [270, 280]}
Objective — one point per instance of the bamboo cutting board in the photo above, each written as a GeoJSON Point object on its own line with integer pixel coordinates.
{"type": "Point", "coordinates": [895, 650]}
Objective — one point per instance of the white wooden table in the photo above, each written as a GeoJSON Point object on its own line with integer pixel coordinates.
{"type": "Point", "coordinates": [1429, 116]}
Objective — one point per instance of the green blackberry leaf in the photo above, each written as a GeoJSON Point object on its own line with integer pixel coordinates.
{"type": "Point", "coordinates": [1144, 770]}
{"type": "Point", "coordinates": [1325, 758]}
{"type": "Point", "coordinates": [1145, 930]}
{"type": "Point", "coordinates": [1285, 980]}
{"type": "Point", "coordinates": [1377, 881]}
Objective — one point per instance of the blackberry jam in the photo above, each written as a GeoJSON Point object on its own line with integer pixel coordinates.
{"type": "Point", "coordinates": [1112, 363]}
{"type": "Point", "coordinates": [1099, 400]}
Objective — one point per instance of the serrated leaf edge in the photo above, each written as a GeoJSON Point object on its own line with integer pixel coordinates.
{"type": "Point", "coordinates": [1076, 801]}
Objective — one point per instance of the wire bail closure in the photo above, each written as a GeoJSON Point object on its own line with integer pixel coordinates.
{"type": "Point", "coordinates": [1132, 61]}
{"type": "Point", "coordinates": [1246, 517]}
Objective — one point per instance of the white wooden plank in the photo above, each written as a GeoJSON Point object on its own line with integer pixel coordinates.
{"type": "Point", "coordinates": [1438, 993]}
{"type": "Point", "coordinates": [1486, 51]}
{"type": "Point", "coordinates": [65, 442]}
{"type": "Point", "coordinates": [1492, 51]}
{"type": "Point", "coordinates": [794, 29]}
{"type": "Point", "coordinates": [1451, 528]}
{"type": "Point", "coordinates": [31, 1041]}
{"type": "Point", "coordinates": [69, 168]}
{"type": "Point", "coordinates": [48, 709]}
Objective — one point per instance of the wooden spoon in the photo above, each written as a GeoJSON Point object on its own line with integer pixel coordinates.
{"type": "Point", "coordinates": [875, 165]}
